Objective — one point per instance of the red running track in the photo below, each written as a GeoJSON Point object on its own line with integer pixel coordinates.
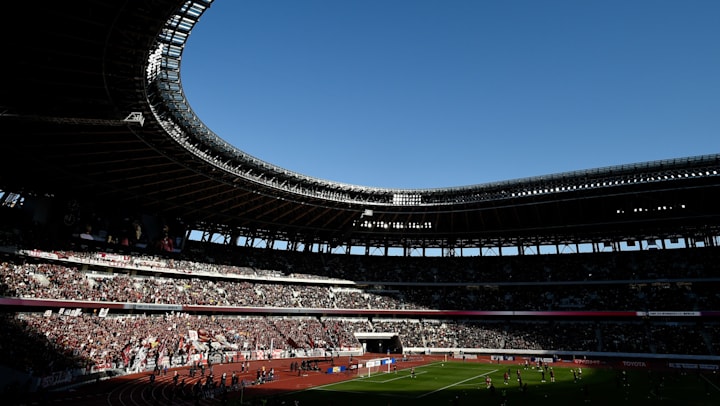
{"type": "Point", "coordinates": [138, 390]}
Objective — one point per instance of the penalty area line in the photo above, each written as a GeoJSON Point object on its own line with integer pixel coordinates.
{"type": "Point", "coordinates": [394, 378]}
{"type": "Point", "coordinates": [457, 383]}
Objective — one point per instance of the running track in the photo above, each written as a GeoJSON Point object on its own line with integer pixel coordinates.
{"type": "Point", "coordinates": [138, 390]}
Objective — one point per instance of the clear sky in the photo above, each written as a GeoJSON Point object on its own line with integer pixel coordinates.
{"type": "Point", "coordinates": [439, 93]}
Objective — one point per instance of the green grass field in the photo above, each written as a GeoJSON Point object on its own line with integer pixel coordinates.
{"type": "Point", "coordinates": [463, 383]}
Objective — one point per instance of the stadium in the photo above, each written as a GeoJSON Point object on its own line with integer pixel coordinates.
{"type": "Point", "coordinates": [138, 243]}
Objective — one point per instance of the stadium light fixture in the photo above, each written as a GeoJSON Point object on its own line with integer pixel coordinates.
{"type": "Point", "coordinates": [135, 117]}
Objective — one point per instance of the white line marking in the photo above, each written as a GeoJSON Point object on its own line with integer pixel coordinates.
{"type": "Point", "coordinates": [457, 383]}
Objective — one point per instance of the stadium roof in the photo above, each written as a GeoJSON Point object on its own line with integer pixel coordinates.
{"type": "Point", "coordinates": [92, 109]}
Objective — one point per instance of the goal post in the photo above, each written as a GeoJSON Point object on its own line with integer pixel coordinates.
{"type": "Point", "coordinates": [379, 364]}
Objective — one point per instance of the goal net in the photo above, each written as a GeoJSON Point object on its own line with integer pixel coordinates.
{"type": "Point", "coordinates": [379, 365]}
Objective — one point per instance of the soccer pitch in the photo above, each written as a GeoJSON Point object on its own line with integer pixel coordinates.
{"type": "Point", "coordinates": [464, 383]}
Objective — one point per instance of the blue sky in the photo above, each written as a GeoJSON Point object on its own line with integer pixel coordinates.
{"type": "Point", "coordinates": [428, 93]}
